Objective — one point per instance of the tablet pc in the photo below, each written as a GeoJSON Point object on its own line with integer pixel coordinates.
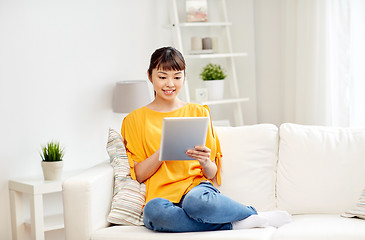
{"type": "Point", "coordinates": [180, 134]}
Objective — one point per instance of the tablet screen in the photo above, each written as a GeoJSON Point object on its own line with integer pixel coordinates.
{"type": "Point", "coordinates": [180, 134]}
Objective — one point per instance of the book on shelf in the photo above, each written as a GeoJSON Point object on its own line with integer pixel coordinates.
{"type": "Point", "coordinates": [196, 10]}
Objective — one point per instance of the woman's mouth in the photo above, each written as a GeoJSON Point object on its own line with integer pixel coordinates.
{"type": "Point", "coordinates": [168, 92]}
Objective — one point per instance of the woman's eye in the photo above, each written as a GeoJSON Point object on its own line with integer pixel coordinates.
{"type": "Point", "coordinates": [178, 78]}
{"type": "Point", "coordinates": [162, 77]}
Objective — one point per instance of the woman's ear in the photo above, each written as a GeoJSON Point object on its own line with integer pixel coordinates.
{"type": "Point", "coordinates": [149, 75]}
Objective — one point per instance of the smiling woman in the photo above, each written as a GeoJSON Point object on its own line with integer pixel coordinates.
{"type": "Point", "coordinates": [166, 73]}
{"type": "Point", "coordinates": [169, 82]}
{"type": "Point", "coordinates": [180, 195]}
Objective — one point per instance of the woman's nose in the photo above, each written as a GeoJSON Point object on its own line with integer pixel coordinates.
{"type": "Point", "coordinates": [170, 82]}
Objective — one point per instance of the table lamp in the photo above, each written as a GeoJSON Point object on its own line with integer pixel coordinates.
{"type": "Point", "coordinates": [130, 95]}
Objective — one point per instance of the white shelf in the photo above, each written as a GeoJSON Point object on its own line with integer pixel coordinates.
{"type": "Point", "coordinates": [219, 29]}
{"type": "Point", "coordinates": [53, 222]}
{"type": "Point", "coordinates": [205, 24]}
{"type": "Point", "coordinates": [216, 55]}
{"type": "Point", "coordinates": [35, 187]}
{"type": "Point", "coordinates": [225, 101]}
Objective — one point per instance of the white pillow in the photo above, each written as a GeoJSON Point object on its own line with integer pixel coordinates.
{"type": "Point", "coordinates": [321, 169]}
{"type": "Point", "coordinates": [249, 164]}
{"type": "Point", "coordinates": [129, 195]}
{"type": "Point", "coordinates": [359, 210]}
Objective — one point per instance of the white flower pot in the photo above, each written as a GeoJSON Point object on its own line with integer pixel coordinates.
{"type": "Point", "coordinates": [52, 170]}
{"type": "Point", "coordinates": [215, 89]}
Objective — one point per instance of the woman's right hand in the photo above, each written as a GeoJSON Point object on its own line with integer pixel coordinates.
{"type": "Point", "coordinates": [147, 167]}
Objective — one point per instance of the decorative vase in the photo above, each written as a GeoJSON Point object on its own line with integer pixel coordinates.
{"type": "Point", "coordinates": [52, 170]}
{"type": "Point", "coordinates": [215, 89]}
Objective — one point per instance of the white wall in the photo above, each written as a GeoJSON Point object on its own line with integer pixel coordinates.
{"type": "Point", "coordinates": [268, 66]}
{"type": "Point", "coordinates": [59, 61]}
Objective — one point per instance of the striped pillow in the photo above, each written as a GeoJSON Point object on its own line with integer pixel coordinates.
{"type": "Point", "coordinates": [359, 210]}
{"type": "Point", "coordinates": [129, 195]}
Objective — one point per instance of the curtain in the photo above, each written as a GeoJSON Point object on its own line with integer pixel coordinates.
{"type": "Point", "coordinates": [316, 61]}
{"type": "Point", "coordinates": [357, 88]}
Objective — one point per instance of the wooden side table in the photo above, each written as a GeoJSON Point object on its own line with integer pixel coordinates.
{"type": "Point", "coordinates": [35, 187]}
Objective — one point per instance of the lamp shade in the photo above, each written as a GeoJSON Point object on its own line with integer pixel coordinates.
{"type": "Point", "coordinates": [130, 95]}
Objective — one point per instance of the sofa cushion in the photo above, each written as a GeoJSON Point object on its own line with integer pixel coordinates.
{"type": "Point", "coordinates": [129, 195]}
{"type": "Point", "coordinates": [249, 164]}
{"type": "Point", "coordinates": [142, 233]}
{"type": "Point", "coordinates": [319, 227]}
{"type": "Point", "coordinates": [320, 169]}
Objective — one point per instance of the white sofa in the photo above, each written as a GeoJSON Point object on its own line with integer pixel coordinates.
{"type": "Point", "coordinates": [315, 173]}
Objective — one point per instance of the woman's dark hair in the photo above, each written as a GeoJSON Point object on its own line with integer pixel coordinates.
{"type": "Point", "coordinates": [167, 58]}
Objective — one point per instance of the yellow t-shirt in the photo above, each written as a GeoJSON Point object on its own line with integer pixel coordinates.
{"type": "Point", "coordinates": [141, 131]}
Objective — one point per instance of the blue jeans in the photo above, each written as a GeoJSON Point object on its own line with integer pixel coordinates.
{"type": "Point", "coordinates": [203, 208]}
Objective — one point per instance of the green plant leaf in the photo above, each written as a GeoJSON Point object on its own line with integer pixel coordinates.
{"type": "Point", "coordinates": [52, 151]}
{"type": "Point", "coordinates": [212, 72]}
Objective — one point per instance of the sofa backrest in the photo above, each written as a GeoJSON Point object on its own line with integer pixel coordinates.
{"type": "Point", "coordinates": [320, 169]}
{"type": "Point", "coordinates": [249, 164]}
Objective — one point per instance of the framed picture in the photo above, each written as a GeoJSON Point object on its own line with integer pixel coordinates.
{"type": "Point", "coordinates": [196, 10]}
{"type": "Point", "coordinates": [201, 94]}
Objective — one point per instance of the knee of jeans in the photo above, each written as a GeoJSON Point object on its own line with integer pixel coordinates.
{"type": "Point", "coordinates": [152, 209]}
{"type": "Point", "coordinates": [194, 203]}
{"type": "Point", "coordinates": [155, 210]}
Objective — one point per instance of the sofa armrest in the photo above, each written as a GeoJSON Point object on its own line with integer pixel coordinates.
{"type": "Point", "coordinates": [86, 201]}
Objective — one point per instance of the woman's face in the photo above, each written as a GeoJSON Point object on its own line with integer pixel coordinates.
{"type": "Point", "coordinates": [167, 83]}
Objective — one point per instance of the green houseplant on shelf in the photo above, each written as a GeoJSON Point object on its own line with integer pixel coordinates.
{"type": "Point", "coordinates": [213, 76]}
{"type": "Point", "coordinates": [52, 160]}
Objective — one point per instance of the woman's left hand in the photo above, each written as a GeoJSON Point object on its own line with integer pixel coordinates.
{"type": "Point", "coordinates": [200, 153]}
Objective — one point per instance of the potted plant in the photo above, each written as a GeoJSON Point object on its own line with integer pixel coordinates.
{"type": "Point", "coordinates": [213, 76]}
{"type": "Point", "coordinates": [52, 160]}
